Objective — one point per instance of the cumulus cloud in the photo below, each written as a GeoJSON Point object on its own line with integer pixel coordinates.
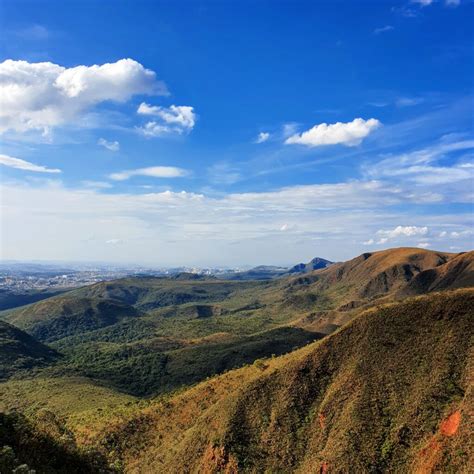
{"type": "Point", "coordinates": [383, 29]}
{"type": "Point", "coordinates": [368, 242]}
{"type": "Point", "coordinates": [20, 164]}
{"type": "Point", "coordinates": [40, 96]}
{"type": "Point", "coordinates": [349, 134]}
{"type": "Point", "coordinates": [152, 171]}
{"type": "Point", "coordinates": [262, 137]}
{"type": "Point", "coordinates": [423, 245]}
{"type": "Point", "coordinates": [403, 231]}
{"type": "Point", "coordinates": [173, 119]}
{"type": "Point", "coordinates": [112, 146]}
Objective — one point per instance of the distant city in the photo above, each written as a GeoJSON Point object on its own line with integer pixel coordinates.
{"type": "Point", "coordinates": [17, 276]}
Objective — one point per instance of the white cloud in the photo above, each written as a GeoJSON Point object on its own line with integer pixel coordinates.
{"type": "Point", "coordinates": [262, 137]}
{"type": "Point", "coordinates": [20, 164]}
{"type": "Point", "coordinates": [423, 3]}
{"type": "Point", "coordinates": [152, 171]}
{"type": "Point", "coordinates": [349, 134]}
{"type": "Point", "coordinates": [423, 245]}
{"type": "Point", "coordinates": [368, 242]}
{"type": "Point", "coordinates": [420, 166]}
{"type": "Point", "coordinates": [382, 241]}
{"type": "Point", "coordinates": [112, 146]}
{"type": "Point", "coordinates": [114, 241]}
{"type": "Point", "coordinates": [182, 115]}
{"type": "Point", "coordinates": [403, 231]}
{"type": "Point", "coordinates": [155, 129]}
{"type": "Point", "coordinates": [383, 29]}
{"type": "Point", "coordinates": [173, 119]}
{"type": "Point", "coordinates": [460, 234]}
{"type": "Point", "coordinates": [174, 228]}
{"type": "Point", "coordinates": [40, 96]}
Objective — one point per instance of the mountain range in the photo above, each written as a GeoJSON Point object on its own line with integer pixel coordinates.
{"type": "Point", "coordinates": [357, 366]}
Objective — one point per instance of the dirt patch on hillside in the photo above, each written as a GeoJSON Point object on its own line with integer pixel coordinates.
{"type": "Point", "coordinates": [430, 455]}
{"type": "Point", "coordinates": [450, 425]}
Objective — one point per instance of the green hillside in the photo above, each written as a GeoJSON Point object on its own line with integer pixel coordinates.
{"type": "Point", "coordinates": [19, 351]}
{"type": "Point", "coordinates": [194, 374]}
{"type": "Point", "coordinates": [373, 397]}
{"type": "Point", "coordinates": [62, 316]}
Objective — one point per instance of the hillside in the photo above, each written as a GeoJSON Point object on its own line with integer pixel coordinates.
{"type": "Point", "coordinates": [378, 274]}
{"type": "Point", "coordinates": [62, 316]}
{"type": "Point", "coordinates": [200, 327]}
{"type": "Point", "coordinates": [12, 299]}
{"type": "Point", "coordinates": [19, 351]}
{"type": "Point", "coordinates": [282, 399]}
{"type": "Point", "coordinates": [315, 264]}
{"type": "Point", "coordinates": [148, 293]}
{"type": "Point", "coordinates": [269, 272]}
{"type": "Point", "coordinates": [391, 391]}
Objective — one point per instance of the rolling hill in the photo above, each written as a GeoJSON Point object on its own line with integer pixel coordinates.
{"type": "Point", "coordinates": [269, 272]}
{"type": "Point", "coordinates": [19, 351]}
{"type": "Point", "coordinates": [386, 380]}
{"type": "Point", "coordinates": [62, 316]}
{"type": "Point", "coordinates": [389, 392]}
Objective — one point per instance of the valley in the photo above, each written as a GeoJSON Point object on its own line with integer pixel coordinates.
{"type": "Point", "coordinates": [354, 365]}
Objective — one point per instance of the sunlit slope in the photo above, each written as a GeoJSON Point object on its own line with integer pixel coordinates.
{"type": "Point", "coordinates": [390, 273]}
{"type": "Point", "coordinates": [151, 293]}
{"type": "Point", "coordinates": [376, 395]}
{"type": "Point", "coordinates": [62, 316]}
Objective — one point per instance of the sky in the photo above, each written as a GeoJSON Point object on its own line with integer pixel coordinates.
{"type": "Point", "coordinates": [234, 133]}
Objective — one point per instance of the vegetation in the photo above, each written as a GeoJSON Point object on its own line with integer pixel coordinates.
{"type": "Point", "coordinates": [19, 351]}
{"type": "Point", "coordinates": [374, 396]}
{"type": "Point", "coordinates": [12, 299]}
{"type": "Point", "coordinates": [369, 398]}
{"type": "Point", "coordinates": [44, 446]}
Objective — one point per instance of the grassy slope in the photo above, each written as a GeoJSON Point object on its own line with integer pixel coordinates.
{"type": "Point", "coordinates": [371, 397]}
{"type": "Point", "coordinates": [62, 316]}
{"type": "Point", "coordinates": [229, 324]}
{"type": "Point", "coordinates": [85, 407]}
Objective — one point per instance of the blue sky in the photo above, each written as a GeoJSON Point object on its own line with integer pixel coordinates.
{"type": "Point", "coordinates": [234, 133]}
